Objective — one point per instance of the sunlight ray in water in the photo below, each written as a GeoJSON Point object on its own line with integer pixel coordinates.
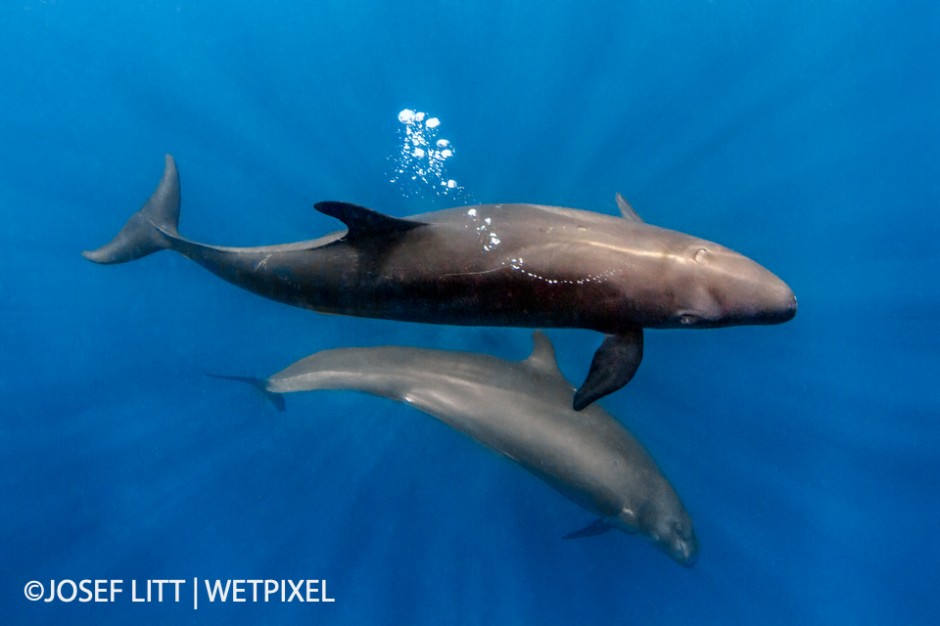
{"type": "Point", "coordinates": [804, 134]}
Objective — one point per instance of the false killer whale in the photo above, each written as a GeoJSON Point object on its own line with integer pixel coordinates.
{"type": "Point", "coordinates": [489, 265]}
{"type": "Point", "coordinates": [523, 411]}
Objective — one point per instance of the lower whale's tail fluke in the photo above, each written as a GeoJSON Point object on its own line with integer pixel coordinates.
{"type": "Point", "coordinates": [150, 229]}
{"type": "Point", "coordinates": [275, 398]}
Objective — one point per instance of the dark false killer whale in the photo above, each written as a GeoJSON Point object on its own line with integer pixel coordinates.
{"type": "Point", "coordinates": [523, 265]}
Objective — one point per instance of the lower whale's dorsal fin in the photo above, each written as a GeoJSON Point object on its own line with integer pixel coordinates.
{"type": "Point", "coordinates": [542, 358]}
{"type": "Point", "coordinates": [362, 222]}
{"type": "Point", "coordinates": [614, 364]}
{"type": "Point", "coordinates": [626, 210]}
{"type": "Point", "coordinates": [597, 527]}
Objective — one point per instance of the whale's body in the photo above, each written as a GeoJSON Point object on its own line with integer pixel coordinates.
{"type": "Point", "coordinates": [523, 411]}
{"type": "Point", "coordinates": [494, 265]}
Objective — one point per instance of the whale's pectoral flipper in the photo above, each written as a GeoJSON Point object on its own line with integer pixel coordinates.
{"type": "Point", "coordinates": [275, 398]}
{"type": "Point", "coordinates": [614, 364]}
{"type": "Point", "coordinates": [597, 527]}
{"type": "Point", "coordinates": [149, 230]}
{"type": "Point", "coordinates": [362, 222]}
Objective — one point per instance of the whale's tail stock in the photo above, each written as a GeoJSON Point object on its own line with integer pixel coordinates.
{"type": "Point", "coordinates": [150, 229]}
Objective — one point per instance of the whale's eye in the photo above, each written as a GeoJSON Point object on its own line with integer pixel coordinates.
{"type": "Point", "coordinates": [700, 255]}
{"type": "Point", "coordinates": [688, 318]}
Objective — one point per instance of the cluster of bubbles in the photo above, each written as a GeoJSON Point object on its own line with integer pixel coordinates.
{"type": "Point", "coordinates": [419, 165]}
{"type": "Point", "coordinates": [489, 238]}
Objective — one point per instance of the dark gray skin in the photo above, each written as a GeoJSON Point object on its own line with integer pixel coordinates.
{"type": "Point", "coordinates": [490, 265]}
{"type": "Point", "coordinates": [523, 411]}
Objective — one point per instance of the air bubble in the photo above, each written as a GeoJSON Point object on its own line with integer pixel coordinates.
{"type": "Point", "coordinates": [422, 156]}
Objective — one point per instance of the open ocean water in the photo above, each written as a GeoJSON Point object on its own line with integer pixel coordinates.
{"type": "Point", "coordinates": [804, 134]}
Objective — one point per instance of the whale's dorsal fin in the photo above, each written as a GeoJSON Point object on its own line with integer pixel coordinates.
{"type": "Point", "coordinates": [362, 222]}
{"type": "Point", "coordinates": [626, 210]}
{"type": "Point", "coordinates": [543, 355]}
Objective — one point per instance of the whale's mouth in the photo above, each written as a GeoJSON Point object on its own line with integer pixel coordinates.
{"type": "Point", "coordinates": [682, 550]}
{"type": "Point", "coordinates": [791, 310]}
{"type": "Point", "coordinates": [785, 312]}
{"type": "Point", "coordinates": [783, 309]}
{"type": "Point", "coordinates": [685, 552]}
{"type": "Point", "coordinates": [690, 318]}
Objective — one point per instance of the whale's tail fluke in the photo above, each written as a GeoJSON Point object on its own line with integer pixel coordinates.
{"type": "Point", "coordinates": [275, 398]}
{"type": "Point", "coordinates": [149, 230]}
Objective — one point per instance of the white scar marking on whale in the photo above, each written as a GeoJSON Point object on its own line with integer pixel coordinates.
{"type": "Point", "coordinates": [262, 263]}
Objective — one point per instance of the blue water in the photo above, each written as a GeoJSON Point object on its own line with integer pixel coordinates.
{"type": "Point", "coordinates": [803, 134]}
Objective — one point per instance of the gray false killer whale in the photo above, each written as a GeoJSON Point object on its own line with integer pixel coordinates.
{"type": "Point", "coordinates": [521, 410]}
{"type": "Point", "coordinates": [522, 265]}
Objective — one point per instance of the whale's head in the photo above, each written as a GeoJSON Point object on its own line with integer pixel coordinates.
{"type": "Point", "coordinates": [666, 523]}
{"type": "Point", "coordinates": [711, 286]}
{"type": "Point", "coordinates": [674, 535]}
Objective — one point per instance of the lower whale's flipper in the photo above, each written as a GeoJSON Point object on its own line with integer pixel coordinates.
{"type": "Point", "coordinates": [260, 384]}
{"type": "Point", "coordinates": [614, 364]}
{"type": "Point", "coordinates": [151, 228]}
{"type": "Point", "coordinates": [597, 527]}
